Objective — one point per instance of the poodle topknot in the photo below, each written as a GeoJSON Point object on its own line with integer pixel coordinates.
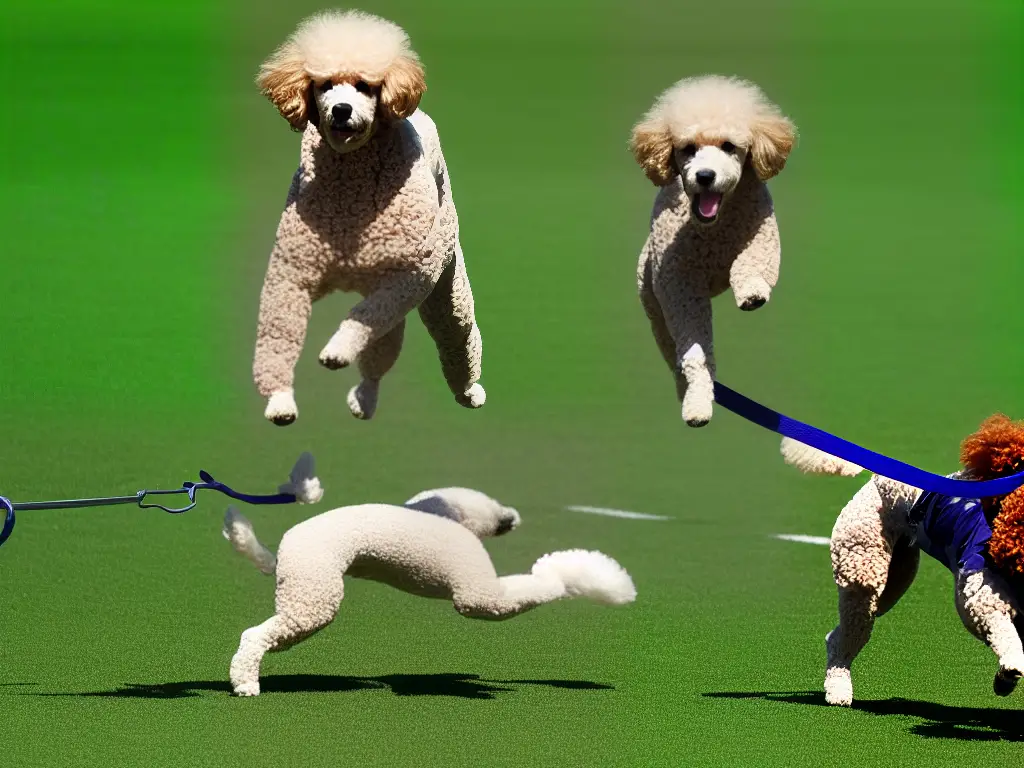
{"type": "Point", "coordinates": [369, 211]}
{"type": "Point", "coordinates": [710, 143]}
{"type": "Point", "coordinates": [340, 46]}
{"type": "Point", "coordinates": [705, 111]}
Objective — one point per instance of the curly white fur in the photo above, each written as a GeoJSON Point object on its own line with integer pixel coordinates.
{"type": "Point", "coordinates": [430, 547]}
{"type": "Point", "coordinates": [710, 143]}
{"type": "Point", "coordinates": [874, 562]}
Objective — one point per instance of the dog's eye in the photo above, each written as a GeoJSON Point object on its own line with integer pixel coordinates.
{"type": "Point", "coordinates": [363, 87]}
{"type": "Point", "coordinates": [325, 87]}
{"type": "Point", "coordinates": [689, 150]}
{"type": "Point", "coordinates": [728, 146]}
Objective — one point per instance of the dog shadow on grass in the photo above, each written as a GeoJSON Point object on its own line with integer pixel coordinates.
{"type": "Point", "coordinates": [463, 686]}
{"type": "Point", "coordinates": [941, 721]}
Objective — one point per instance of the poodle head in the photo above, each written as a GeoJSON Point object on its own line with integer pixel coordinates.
{"type": "Point", "coordinates": [346, 73]}
{"type": "Point", "coordinates": [996, 449]}
{"type": "Point", "coordinates": [474, 510]}
{"type": "Point", "coordinates": [710, 131]}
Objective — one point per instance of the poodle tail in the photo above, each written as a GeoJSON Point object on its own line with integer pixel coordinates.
{"type": "Point", "coordinates": [592, 575]}
{"type": "Point", "coordinates": [815, 462]}
{"type": "Point", "coordinates": [238, 530]}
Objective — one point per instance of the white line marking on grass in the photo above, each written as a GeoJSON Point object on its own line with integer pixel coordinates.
{"type": "Point", "coordinates": [803, 539]}
{"type": "Point", "coordinates": [617, 513]}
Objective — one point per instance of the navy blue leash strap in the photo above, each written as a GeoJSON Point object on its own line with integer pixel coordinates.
{"type": "Point", "coordinates": [869, 460]}
{"type": "Point", "coordinates": [188, 488]}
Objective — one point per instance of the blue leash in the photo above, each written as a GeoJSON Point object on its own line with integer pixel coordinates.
{"type": "Point", "coordinates": [139, 498]}
{"type": "Point", "coordinates": [871, 461]}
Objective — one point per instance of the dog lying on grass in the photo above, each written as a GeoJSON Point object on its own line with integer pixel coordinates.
{"type": "Point", "coordinates": [428, 547]}
{"type": "Point", "coordinates": [879, 535]}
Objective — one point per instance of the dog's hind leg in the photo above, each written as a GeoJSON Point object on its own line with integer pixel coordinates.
{"type": "Point", "coordinates": [987, 610]}
{"type": "Point", "coordinates": [861, 549]}
{"type": "Point", "coordinates": [375, 361]}
{"type": "Point", "coordinates": [295, 620]}
{"type": "Point", "coordinates": [902, 572]}
{"type": "Point", "coordinates": [662, 336]}
{"type": "Point", "coordinates": [449, 316]}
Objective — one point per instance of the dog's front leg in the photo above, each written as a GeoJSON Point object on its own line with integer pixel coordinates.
{"type": "Point", "coordinates": [688, 317]}
{"type": "Point", "coordinates": [985, 609]}
{"type": "Point", "coordinates": [755, 270]}
{"type": "Point", "coordinates": [449, 317]}
{"type": "Point", "coordinates": [376, 315]}
{"type": "Point", "coordinates": [285, 305]}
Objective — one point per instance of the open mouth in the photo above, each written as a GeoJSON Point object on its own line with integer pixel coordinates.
{"type": "Point", "coordinates": [705, 206]}
{"type": "Point", "coordinates": [344, 133]}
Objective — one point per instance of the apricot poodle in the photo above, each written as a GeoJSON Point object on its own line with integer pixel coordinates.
{"type": "Point", "coordinates": [879, 535]}
{"type": "Point", "coordinates": [369, 211]}
{"type": "Point", "coordinates": [710, 143]}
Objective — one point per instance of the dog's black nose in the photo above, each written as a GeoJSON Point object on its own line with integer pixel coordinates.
{"type": "Point", "coordinates": [340, 113]}
{"type": "Point", "coordinates": [705, 177]}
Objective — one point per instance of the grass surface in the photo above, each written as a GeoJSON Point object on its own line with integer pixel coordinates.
{"type": "Point", "coordinates": [143, 181]}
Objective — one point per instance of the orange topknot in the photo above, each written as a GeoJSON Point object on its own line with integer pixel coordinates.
{"type": "Point", "coordinates": [996, 449]}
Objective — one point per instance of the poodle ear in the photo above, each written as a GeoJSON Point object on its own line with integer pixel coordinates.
{"type": "Point", "coordinates": [284, 81]}
{"type": "Point", "coordinates": [1006, 546]}
{"type": "Point", "coordinates": [402, 89]}
{"type": "Point", "coordinates": [773, 139]}
{"type": "Point", "coordinates": [652, 147]}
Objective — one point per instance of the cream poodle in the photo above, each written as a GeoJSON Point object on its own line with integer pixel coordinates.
{"type": "Point", "coordinates": [428, 547]}
{"type": "Point", "coordinates": [710, 143]}
{"type": "Point", "coordinates": [879, 535]}
{"type": "Point", "coordinates": [369, 211]}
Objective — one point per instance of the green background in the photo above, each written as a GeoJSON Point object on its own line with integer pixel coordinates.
{"type": "Point", "coordinates": [143, 177]}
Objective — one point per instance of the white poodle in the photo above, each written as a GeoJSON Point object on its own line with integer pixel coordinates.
{"type": "Point", "coordinates": [429, 547]}
{"type": "Point", "coordinates": [710, 143]}
{"type": "Point", "coordinates": [369, 211]}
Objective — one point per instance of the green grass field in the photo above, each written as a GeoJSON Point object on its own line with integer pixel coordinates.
{"type": "Point", "coordinates": [143, 177]}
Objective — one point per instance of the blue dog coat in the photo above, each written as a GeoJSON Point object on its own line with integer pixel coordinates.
{"type": "Point", "coordinates": [951, 529]}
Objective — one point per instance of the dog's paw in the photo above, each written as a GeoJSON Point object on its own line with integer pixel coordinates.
{"type": "Point", "coordinates": [697, 408]}
{"type": "Point", "coordinates": [247, 689]}
{"type": "Point", "coordinates": [1006, 680]}
{"type": "Point", "coordinates": [753, 302]}
{"type": "Point", "coordinates": [754, 294]}
{"type": "Point", "coordinates": [281, 408]}
{"type": "Point", "coordinates": [362, 399]}
{"type": "Point", "coordinates": [838, 687]}
{"type": "Point", "coordinates": [336, 354]}
{"type": "Point", "coordinates": [474, 397]}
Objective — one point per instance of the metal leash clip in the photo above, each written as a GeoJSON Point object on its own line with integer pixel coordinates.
{"type": "Point", "coordinates": [189, 488]}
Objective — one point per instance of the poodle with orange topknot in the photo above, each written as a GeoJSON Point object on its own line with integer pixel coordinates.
{"type": "Point", "coordinates": [879, 535]}
{"type": "Point", "coordinates": [710, 143]}
{"type": "Point", "coordinates": [369, 211]}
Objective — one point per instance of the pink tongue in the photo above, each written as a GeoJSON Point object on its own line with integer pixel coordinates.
{"type": "Point", "coordinates": [707, 203]}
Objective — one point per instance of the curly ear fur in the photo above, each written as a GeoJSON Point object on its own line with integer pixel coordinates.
{"type": "Point", "coordinates": [1007, 543]}
{"type": "Point", "coordinates": [402, 89]}
{"type": "Point", "coordinates": [652, 146]}
{"type": "Point", "coordinates": [284, 81]}
{"type": "Point", "coordinates": [772, 140]}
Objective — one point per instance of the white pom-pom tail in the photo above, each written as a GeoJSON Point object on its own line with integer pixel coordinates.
{"type": "Point", "coordinates": [588, 574]}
